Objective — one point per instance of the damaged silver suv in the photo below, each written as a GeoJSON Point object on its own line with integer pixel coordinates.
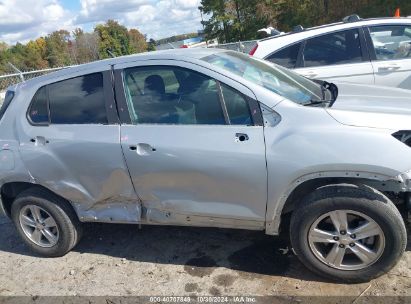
{"type": "Point", "coordinates": [210, 138]}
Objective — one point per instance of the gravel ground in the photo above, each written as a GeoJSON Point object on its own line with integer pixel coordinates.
{"type": "Point", "coordinates": [119, 260]}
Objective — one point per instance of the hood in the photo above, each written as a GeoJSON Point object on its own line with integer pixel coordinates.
{"type": "Point", "coordinates": [372, 106]}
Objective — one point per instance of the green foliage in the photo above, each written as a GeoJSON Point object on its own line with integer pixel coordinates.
{"type": "Point", "coordinates": [85, 48]}
{"type": "Point", "coordinates": [151, 45]}
{"type": "Point", "coordinates": [138, 42]}
{"type": "Point", "coordinates": [227, 20]}
{"type": "Point", "coordinates": [113, 38]}
{"type": "Point", "coordinates": [57, 48]}
{"type": "Point", "coordinates": [60, 48]}
{"type": "Point", "coordinates": [234, 20]}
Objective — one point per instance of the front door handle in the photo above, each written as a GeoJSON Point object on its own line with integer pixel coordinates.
{"type": "Point", "coordinates": [310, 74]}
{"type": "Point", "coordinates": [142, 149]}
{"type": "Point", "coordinates": [239, 137]}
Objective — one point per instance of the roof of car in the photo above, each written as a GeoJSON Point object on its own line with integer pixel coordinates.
{"type": "Point", "coordinates": [189, 53]}
{"type": "Point", "coordinates": [341, 25]}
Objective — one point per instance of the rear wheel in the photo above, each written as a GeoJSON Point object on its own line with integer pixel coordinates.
{"type": "Point", "coordinates": [348, 233]}
{"type": "Point", "coordinates": [46, 223]}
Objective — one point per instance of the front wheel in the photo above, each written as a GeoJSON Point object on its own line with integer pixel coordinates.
{"type": "Point", "coordinates": [348, 233]}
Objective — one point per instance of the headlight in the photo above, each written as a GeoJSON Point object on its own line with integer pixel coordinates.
{"type": "Point", "coordinates": [404, 136]}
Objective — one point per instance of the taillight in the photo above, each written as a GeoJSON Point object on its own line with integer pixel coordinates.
{"type": "Point", "coordinates": [253, 50]}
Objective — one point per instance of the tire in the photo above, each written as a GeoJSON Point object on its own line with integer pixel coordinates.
{"type": "Point", "coordinates": [359, 202]}
{"type": "Point", "coordinates": [62, 234]}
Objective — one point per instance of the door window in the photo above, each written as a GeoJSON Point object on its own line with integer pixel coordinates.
{"type": "Point", "coordinates": [39, 112]}
{"type": "Point", "coordinates": [286, 57]}
{"type": "Point", "coordinates": [335, 48]}
{"type": "Point", "coordinates": [7, 100]}
{"type": "Point", "coordinates": [172, 95]}
{"type": "Point", "coordinates": [391, 41]}
{"type": "Point", "coordinates": [78, 100]}
{"type": "Point", "coordinates": [237, 106]}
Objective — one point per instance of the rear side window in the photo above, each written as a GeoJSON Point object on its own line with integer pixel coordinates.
{"type": "Point", "coordinates": [335, 48]}
{"type": "Point", "coordinates": [78, 100]}
{"type": "Point", "coordinates": [39, 111]}
{"type": "Point", "coordinates": [391, 42]}
{"type": "Point", "coordinates": [7, 100]}
{"type": "Point", "coordinates": [286, 57]}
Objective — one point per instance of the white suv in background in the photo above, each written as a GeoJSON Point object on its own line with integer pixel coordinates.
{"type": "Point", "coordinates": [368, 51]}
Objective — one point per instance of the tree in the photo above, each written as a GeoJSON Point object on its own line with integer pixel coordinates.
{"type": "Point", "coordinates": [113, 38]}
{"type": "Point", "coordinates": [151, 45]}
{"type": "Point", "coordinates": [86, 46]}
{"type": "Point", "coordinates": [217, 26]}
{"type": "Point", "coordinates": [234, 20]}
{"type": "Point", "coordinates": [36, 52]}
{"type": "Point", "coordinates": [57, 48]}
{"type": "Point", "coordinates": [137, 40]}
{"type": "Point", "coordinates": [3, 46]}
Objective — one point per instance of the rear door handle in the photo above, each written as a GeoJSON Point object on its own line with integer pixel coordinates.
{"type": "Point", "coordinates": [39, 140]}
{"type": "Point", "coordinates": [142, 149]}
{"type": "Point", "coordinates": [239, 137]}
{"type": "Point", "coordinates": [389, 67]}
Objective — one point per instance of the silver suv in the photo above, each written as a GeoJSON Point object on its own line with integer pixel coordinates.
{"type": "Point", "coordinates": [210, 138]}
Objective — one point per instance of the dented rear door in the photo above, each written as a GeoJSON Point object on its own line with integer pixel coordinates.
{"type": "Point", "coordinates": [70, 143]}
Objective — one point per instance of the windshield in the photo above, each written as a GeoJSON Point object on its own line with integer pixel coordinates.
{"type": "Point", "coordinates": [272, 77]}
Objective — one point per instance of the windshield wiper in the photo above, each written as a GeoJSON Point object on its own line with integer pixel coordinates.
{"type": "Point", "coordinates": [313, 102]}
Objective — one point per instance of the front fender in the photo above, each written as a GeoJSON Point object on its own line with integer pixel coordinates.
{"type": "Point", "coordinates": [383, 182]}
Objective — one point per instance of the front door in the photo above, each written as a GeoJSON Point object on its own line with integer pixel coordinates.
{"type": "Point", "coordinates": [391, 45]}
{"type": "Point", "coordinates": [195, 152]}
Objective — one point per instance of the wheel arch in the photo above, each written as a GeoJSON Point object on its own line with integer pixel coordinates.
{"type": "Point", "coordinates": [307, 184]}
{"type": "Point", "coordinates": [9, 191]}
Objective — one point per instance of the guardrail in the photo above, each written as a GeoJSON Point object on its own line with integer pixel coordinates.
{"type": "Point", "coordinates": [240, 46]}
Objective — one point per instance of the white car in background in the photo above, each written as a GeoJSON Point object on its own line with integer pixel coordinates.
{"type": "Point", "coordinates": [367, 51]}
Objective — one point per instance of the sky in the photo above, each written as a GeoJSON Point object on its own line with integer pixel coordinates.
{"type": "Point", "coordinates": [23, 20]}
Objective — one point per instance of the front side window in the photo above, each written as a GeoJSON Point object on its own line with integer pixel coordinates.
{"type": "Point", "coordinates": [391, 41]}
{"type": "Point", "coordinates": [275, 78]}
{"type": "Point", "coordinates": [237, 106]}
{"type": "Point", "coordinates": [78, 100]}
{"type": "Point", "coordinates": [335, 48]}
{"type": "Point", "coordinates": [172, 95]}
{"type": "Point", "coordinates": [286, 57]}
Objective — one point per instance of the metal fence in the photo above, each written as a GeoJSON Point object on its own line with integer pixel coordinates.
{"type": "Point", "coordinates": [18, 76]}
{"type": "Point", "coordinates": [10, 79]}
{"type": "Point", "coordinates": [241, 46]}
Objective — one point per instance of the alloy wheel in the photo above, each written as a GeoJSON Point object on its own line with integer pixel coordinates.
{"type": "Point", "coordinates": [39, 226]}
{"type": "Point", "coordinates": [346, 240]}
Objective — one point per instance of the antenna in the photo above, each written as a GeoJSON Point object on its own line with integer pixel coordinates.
{"type": "Point", "coordinates": [111, 53]}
